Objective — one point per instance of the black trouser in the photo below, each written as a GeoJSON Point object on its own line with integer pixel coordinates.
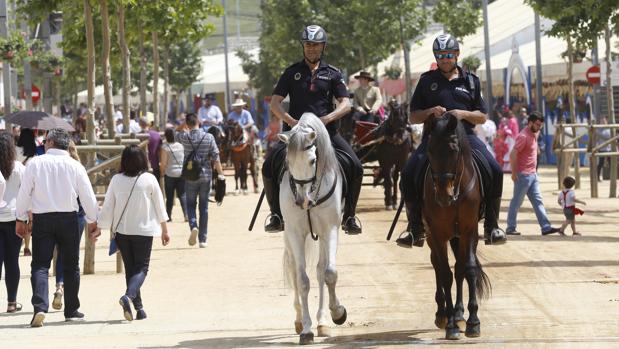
{"type": "Point", "coordinates": [171, 185]}
{"type": "Point", "coordinates": [49, 230]}
{"type": "Point", "coordinates": [419, 160]}
{"type": "Point", "coordinates": [274, 162]}
{"type": "Point", "coordinates": [10, 244]}
{"type": "Point", "coordinates": [601, 161]}
{"type": "Point", "coordinates": [368, 117]}
{"type": "Point", "coordinates": [135, 251]}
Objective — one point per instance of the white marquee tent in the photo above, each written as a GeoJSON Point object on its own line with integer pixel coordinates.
{"type": "Point", "coordinates": [511, 24]}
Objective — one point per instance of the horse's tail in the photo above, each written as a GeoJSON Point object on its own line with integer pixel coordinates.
{"type": "Point", "coordinates": [482, 285]}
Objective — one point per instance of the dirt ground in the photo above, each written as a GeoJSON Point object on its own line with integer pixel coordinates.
{"type": "Point", "coordinates": [552, 291]}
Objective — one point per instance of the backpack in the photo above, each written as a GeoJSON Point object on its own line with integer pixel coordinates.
{"type": "Point", "coordinates": [192, 165]}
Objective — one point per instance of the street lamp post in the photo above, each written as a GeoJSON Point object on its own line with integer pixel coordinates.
{"type": "Point", "coordinates": [227, 93]}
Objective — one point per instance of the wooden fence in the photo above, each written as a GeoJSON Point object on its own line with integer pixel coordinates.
{"type": "Point", "coordinates": [568, 151]}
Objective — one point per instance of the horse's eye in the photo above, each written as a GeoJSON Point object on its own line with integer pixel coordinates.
{"type": "Point", "coordinates": [312, 162]}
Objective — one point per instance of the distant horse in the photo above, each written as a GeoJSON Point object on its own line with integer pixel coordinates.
{"type": "Point", "coordinates": [393, 150]}
{"type": "Point", "coordinates": [311, 203]}
{"type": "Point", "coordinates": [242, 156]}
{"type": "Point", "coordinates": [451, 202]}
{"type": "Point", "coordinates": [220, 140]}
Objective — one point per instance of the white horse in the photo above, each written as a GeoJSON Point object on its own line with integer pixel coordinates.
{"type": "Point", "coordinates": [311, 203]}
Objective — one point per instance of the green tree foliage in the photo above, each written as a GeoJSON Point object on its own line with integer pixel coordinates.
{"type": "Point", "coordinates": [360, 34]}
{"type": "Point", "coordinates": [583, 20]}
{"type": "Point", "coordinates": [460, 18]}
{"type": "Point", "coordinates": [185, 65]}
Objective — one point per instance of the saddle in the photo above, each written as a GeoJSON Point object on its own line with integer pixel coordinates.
{"type": "Point", "coordinates": [482, 170]}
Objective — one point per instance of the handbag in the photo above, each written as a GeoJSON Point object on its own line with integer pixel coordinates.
{"type": "Point", "coordinates": [113, 245]}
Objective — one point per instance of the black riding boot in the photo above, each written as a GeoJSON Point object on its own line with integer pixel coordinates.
{"type": "Point", "coordinates": [276, 221]}
{"type": "Point", "coordinates": [349, 221]}
{"type": "Point", "coordinates": [415, 229]}
{"type": "Point", "coordinates": [493, 235]}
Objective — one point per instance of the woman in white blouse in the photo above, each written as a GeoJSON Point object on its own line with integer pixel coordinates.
{"type": "Point", "coordinates": [10, 243]}
{"type": "Point", "coordinates": [135, 210]}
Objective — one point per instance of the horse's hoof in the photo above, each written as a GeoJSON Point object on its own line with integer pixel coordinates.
{"type": "Point", "coordinates": [452, 333]}
{"type": "Point", "coordinates": [394, 207]}
{"type": "Point", "coordinates": [472, 330]}
{"type": "Point", "coordinates": [441, 322]}
{"type": "Point", "coordinates": [306, 338]}
{"type": "Point", "coordinates": [298, 327]}
{"type": "Point", "coordinates": [461, 325]}
{"type": "Point", "coordinates": [342, 318]}
{"type": "Point", "coordinates": [324, 331]}
{"type": "Point", "coordinates": [387, 207]}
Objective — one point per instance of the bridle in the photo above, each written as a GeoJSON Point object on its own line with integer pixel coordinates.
{"type": "Point", "coordinates": [314, 188]}
{"type": "Point", "coordinates": [444, 176]}
{"type": "Point", "coordinates": [303, 182]}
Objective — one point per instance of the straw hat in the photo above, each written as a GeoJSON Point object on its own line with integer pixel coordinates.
{"type": "Point", "coordinates": [239, 103]}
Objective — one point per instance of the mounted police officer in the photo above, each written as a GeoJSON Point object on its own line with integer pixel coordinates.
{"type": "Point", "coordinates": [448, 88]}
{"type": "Point", "coordinates": [312, 86]}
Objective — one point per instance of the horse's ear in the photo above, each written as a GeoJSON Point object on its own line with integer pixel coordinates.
{"type": "Point", "coordinates": [312, 136]}
{"type": "Point", "coordinates": [284, 137]}
{"type": "Point", "coordinates": [453, 122]}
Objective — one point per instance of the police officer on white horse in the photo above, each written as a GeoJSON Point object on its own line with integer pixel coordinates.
{"type": "Point", "coordinates": [312, 86]}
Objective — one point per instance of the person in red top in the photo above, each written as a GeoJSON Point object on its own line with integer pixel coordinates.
{"type": "Point", "coordinates": [523, 160]}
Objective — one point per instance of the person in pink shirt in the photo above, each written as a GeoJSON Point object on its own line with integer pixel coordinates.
{"type": "Point", "coordinates": [523, 160]}
{"type": "Point", "coordinates": [512, 123]}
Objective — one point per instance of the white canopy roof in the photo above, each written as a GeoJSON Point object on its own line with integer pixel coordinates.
{"type": "Point", "coordinates": [213, 76]}
{"type": "Point", "coordinates": [510, 22]}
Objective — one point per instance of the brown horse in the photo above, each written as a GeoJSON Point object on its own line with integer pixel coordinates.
{"type": "Point", "coordinates": [242, 156]}
{"type": "Point", "coordinates": [451, 204]}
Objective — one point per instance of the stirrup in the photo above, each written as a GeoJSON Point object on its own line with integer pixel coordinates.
{"type": "Point", "coordinates": [277, 229]}
{"type": "Point", "coordinates": [489, 239]}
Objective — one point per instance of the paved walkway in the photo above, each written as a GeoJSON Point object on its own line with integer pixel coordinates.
{"type": "Point", "coordinates": [547, 291]}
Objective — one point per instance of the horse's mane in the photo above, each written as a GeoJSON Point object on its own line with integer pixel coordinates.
{"type": "Point", "coordinates": [326, 156]}
{"type": "Point", "coordinates": [441, 128]}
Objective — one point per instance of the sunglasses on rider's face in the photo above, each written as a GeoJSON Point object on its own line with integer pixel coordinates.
{"type": "Point", "coordinates": [444, 55]}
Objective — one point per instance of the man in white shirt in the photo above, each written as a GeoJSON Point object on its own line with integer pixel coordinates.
{"type": "Point", "coordinates": [50, 187]}
{"type": "Point", "coordinates": [209, 114]}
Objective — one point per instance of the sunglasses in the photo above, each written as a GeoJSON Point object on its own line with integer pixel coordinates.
{"type": "Point", "coordinates": [444, 55]}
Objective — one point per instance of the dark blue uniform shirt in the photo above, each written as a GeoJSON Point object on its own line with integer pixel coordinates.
{"type": "Point", "coordinates": [311, 92]}
{"type": "Point", "coordinates": [434, 89]}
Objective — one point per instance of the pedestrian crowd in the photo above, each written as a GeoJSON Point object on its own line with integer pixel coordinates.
{"type": "Point", "coordinates": [48, 202]}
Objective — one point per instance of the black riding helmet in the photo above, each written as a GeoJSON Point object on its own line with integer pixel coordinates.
{"type": "Point", "coordinates": [314, 33]}
{"type": "Point", "coordinates": [445, 42]}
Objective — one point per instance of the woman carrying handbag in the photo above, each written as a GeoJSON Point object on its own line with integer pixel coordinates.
{"type": "Point", "coordinates": [135, 211]}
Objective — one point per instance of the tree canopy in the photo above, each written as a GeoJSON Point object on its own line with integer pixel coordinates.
{"type": "Point", "coordinates": [360, 34]}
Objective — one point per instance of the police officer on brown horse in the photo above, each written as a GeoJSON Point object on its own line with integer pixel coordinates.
{"type": "Point", "coordinates": [449, 88]}
{"type": "Point", "coordinates": [312, 86]}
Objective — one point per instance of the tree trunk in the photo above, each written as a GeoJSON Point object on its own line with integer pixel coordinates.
{"type": "Point", "coordinates": [611, 112]}
{"type": "Point", "coordinates": [143, 85]}
{"type": "Point", "coordinates": [570, 80]}
{"type": "Point", "coordinates": [126, 63]}
{"type": "Point", "coordinates": [107, 78]}
{"type": "Point", "coordinates": [89, 253]}
{"type": "Point", "coordinates": [155, 91]}
{"type": "Point", "coordinates": [178, 102]}
{"type": "Point", "coordinates": [166, 85]}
